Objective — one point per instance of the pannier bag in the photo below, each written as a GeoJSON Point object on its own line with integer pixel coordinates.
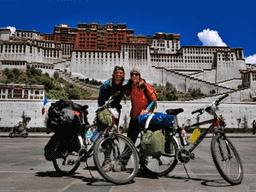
{"type": "Point", "coordinates": [104, 119]}
{"type": "Point", "coordinates": [65, 116]}
{"type": "Point", "coordinates": [162, 119]}
{"type": "Point", "coordinates": [59, 144]}
{"type": "Point", "coordinates": [152, 143]}
{"type": "Point", "coordinates": [51, 149]}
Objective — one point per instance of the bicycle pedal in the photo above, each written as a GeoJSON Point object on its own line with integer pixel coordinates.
{"type": "Point", "coordinates": [192, 156]}
{"type": "Point", "coordinates": [83, 159]}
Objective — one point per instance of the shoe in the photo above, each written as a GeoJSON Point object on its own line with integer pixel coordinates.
{"type": "Point", "coordinates": [117, 168]}
{"type": "Point", "coordinates": [107, 166]}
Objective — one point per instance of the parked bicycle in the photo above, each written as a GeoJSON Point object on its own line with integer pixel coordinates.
{"type": "Point", "coordinates": [224, 154]}
{"type": "Point", "coordinates": [104, 141]}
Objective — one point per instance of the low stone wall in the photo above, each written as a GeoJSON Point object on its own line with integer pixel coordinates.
{"type": "Point", "coordinates": [234, 113]}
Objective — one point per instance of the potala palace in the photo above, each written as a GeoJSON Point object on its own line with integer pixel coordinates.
{"type": "Point", "coordinates": [92, 50]}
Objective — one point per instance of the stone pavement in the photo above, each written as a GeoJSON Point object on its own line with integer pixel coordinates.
{"type": "Point", "coordinates": [230, 135]}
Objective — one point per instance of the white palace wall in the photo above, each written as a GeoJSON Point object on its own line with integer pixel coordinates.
{"type": "Point", "coordinates": [11, 111]}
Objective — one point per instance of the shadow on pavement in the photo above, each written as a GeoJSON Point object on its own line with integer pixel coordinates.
{"type": "Point", "coordinates": [48, 174]}
{"type": "Point", "coordinates": [205, 182]}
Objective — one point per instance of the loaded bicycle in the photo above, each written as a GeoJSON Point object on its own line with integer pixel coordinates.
{"type": "Point", "coordinates": [104, 142]}
{"type": "Point", "coordinates": [224, 154]}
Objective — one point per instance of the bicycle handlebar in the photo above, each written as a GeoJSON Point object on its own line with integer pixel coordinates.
{"type": "Point", "coordinates": [108, 102]}
{"type": "Point", "coordinates": [217, 102]}
{"type": "Point", "coordinates": [208, 108]}
{"type": "Point", "coordinates": [197, 111]}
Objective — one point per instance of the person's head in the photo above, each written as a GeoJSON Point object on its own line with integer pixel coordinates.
{"type": "Point", "coordinates": [135, 75]}
{"type": "Point", "coordinates": [118, 74]}
{"type": "Point", "coordinates": [20, 121]}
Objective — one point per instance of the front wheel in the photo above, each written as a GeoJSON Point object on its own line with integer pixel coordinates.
{"type": "Point", "coordinates": [116, 158]}
{"type": "Point", "coordinates": [163, 164]}
{"type": "Point", "coordinates": [226, 159]}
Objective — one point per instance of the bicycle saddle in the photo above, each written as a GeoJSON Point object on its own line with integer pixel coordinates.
{"type": "Point", "coordinates": [174, 111]}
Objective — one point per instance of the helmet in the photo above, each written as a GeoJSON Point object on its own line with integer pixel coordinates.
{"type": "Point", "coordinates": [20, 121]}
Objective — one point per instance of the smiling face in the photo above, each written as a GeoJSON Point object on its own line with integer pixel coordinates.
{"type": "Point", "coordinates": [135, 77]}
{"type": "Point", "coordinates": [118, 76]}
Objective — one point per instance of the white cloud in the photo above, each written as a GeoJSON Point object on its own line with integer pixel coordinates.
{"type": "Point", "coordinates": [13, 29]}
{"type": "Point", "coordinates": [210, 38]}
{"type": "Point", "coordinates": [251, 59]}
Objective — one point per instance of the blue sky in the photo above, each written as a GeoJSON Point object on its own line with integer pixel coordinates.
{"type": "Point", "coordinates": [199, 22]}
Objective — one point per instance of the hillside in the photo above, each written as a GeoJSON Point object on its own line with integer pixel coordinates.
{"type": "Point", "coordinates": [55, 88]}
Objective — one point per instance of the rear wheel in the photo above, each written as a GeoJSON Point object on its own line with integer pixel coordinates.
{"type": "Point", "coordinates": [116, 158]}
{"type": "Point", "coordinates": [11, 134]}
{"type": "Point", "coordinates": [161, 165]}
{"type": "Point", "coordinates": [226, 159]}
{"type": "Point", "coordinates": [67, 164]}
{"type": "Point", "coordinates": [25, 135]}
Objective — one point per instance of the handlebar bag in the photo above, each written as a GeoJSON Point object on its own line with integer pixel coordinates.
{"type": "Point", "coordinates": [162, 119]}
{"type": "Point", "coordinates": [152, 143]}
{"type": "Point", "coordinates": [104, 119]}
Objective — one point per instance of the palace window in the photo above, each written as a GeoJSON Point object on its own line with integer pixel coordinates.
{"type": "Point", "coordinates": [254, 76]}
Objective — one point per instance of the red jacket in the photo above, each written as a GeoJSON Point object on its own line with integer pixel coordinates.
{"type": "Point", "coordinates": [139, 99]}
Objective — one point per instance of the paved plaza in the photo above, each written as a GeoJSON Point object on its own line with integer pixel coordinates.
{"type": "Point", "coordinates": [23, 168]}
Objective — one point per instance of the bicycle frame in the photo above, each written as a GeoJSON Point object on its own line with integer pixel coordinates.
{"type": "Point", "coordinates": [85, 153]}
{"type": "Point", "coordinates": [215, 122]}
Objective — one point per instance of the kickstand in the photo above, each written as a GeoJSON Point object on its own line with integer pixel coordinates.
{"type": "Point", "coordinates": [89, 169]}
{"type": "Point", "coordinates": [186, 170]}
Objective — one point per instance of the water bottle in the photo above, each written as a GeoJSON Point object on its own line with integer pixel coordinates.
{"type": "Point", "coordinates": [194, 135]}
{"type": "Point", "coordinates": [184, 135]}
{"type": "Point", "coordinates": [95, 135]}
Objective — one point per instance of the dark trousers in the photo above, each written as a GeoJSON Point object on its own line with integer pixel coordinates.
{"type": "Point", "coordinates": [133, 133]}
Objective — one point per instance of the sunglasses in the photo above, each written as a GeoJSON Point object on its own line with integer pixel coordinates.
{"type": "Point", "coordinates": [136, 74]}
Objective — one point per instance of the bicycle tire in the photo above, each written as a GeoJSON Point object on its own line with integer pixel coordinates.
{"type": "Point", "coordinates": [11, 134]}
{"type": "Point", "coordinates": [161, 165]}
{"type": "Point", "coordinates": [117, 154]}
{"type": "Point", "coordinates": [226, 159]}
{"type": "Point", "coordinates": [67, 164]}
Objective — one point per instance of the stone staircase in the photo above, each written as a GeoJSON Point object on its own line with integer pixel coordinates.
{"type": "Point", "coordinates": [76, 81]}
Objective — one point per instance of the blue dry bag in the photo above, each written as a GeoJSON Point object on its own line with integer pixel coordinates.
{"type": "Point", "coordinates": [162, 119]}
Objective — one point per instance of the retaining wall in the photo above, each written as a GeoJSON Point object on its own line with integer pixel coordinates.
{"type": "Point", "coordinates": [11, 111]}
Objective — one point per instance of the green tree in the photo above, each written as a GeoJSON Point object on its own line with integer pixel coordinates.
{"type": "Point", "coordinates": [161, 97]}
{"type": "Point", "coordinates": [16, 72]}
{"type": "Point", "coordinates": [245, 124]}
{"type": "Point", "coordinates": [171, 96]}
{"type": "Point", "coordinates": [56, 94]}
{"type": "Point", "coordinates": [74, 94]}
{"type": "Point", "coordinates": [56, 75]}
{"type": "Point", "coordinates": [48, 84]}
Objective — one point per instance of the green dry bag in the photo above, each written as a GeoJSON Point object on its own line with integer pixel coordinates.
{"type": "Point", "coordinates": [104, 119]}
{"type": "Point", "coordinates": [152, 143]}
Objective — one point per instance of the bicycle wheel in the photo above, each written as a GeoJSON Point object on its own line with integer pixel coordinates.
{"type": "Point", "coordinates": [66, 162]}
{"type": "Point", "coordinates": [226, 159]}
{"type": "Point", "coordinates": [161, 165]}
{"type": "Point", "coordinates": [122, 158]}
